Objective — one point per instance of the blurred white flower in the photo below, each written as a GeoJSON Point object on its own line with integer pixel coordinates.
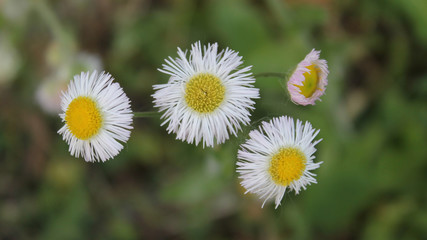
{"type": "Point", "coordinates": [9, 60]}
{"type": "Point", "coordinates": [15, 11]}
{"type": "Point", "coordinates": [48, 93]}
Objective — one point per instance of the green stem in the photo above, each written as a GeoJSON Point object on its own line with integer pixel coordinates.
{"type": "Point", "coordinates": [52, 21]}
{"type": "Point", "coordinates": [270, 74]}
{"type": "Point", "coordinates": [145, 114]}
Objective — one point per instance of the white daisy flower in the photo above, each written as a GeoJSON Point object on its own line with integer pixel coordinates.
{"type": "Point", "coordinates": [277, 157]}
{"type": "Point", "coordinates": [97, 116]}
{"type": "Point", "coordinates": [207, 96]}
{"type": "Point", "coordinates": [309, 80]}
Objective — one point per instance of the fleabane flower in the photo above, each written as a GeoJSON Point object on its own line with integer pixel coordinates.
{"type": "Point", "coordinates": [208, 96]}
{"type": "Point", "coordinates": [278, 157]}
{"type": "Point", "coordinates": [308, 82]}
{"type": "Point", "coordinates": [97, 115]}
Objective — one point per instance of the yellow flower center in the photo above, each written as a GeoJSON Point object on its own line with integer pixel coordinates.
{"type": "Point", "coordinates": [309, 85]}
{"type": "Point", "coordinates": [83, 118]}
{"type": "Point", "coordinates": [204, 93]}
{"type": "Point", "coordinates": [287, 166]}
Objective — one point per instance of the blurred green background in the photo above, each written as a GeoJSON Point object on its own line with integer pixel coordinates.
{"type": "Point", "coordinates": [373, 120]}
